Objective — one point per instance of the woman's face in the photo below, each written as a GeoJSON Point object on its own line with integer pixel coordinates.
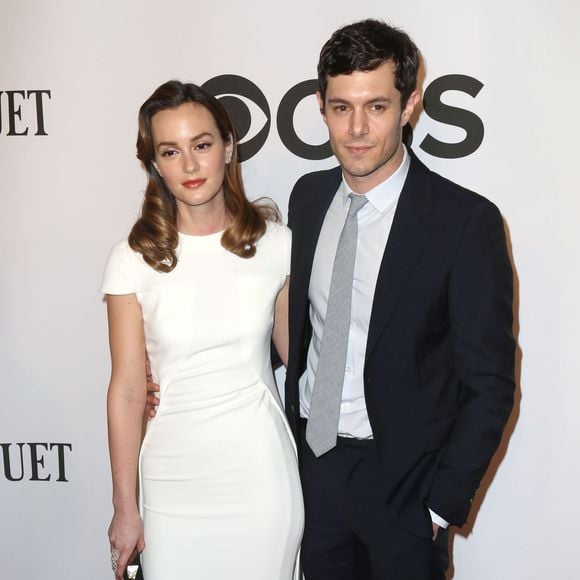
{"type": "Point", "coordinates": [190, 156]}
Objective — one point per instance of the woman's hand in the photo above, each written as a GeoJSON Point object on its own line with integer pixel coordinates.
{"type": "Point", "coordinates": [125, 536]}
{"type": "Point", "coordinates": [152, 394]}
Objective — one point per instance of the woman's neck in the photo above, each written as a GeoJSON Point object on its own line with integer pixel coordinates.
{"type": "Point", "coordinates": [203, 221]}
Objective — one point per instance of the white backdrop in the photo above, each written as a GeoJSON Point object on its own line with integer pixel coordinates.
{"type": "Point", "coordinates": [67, 196]}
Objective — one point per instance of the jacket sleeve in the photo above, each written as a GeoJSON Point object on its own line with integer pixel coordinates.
{"type": "Point", "coordinates": [481, 318]}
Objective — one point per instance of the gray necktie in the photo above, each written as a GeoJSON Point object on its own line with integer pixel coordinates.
{"type": "Point", "coordinates": [322, 426]}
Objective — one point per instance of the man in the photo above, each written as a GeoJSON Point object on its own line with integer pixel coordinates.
{"type": "Point", "coordinates": [405, 332]}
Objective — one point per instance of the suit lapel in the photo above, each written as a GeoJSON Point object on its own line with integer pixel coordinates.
{"type": "Point", "coordinates": [306, 225]}
{"type": "Point", "coordinates": [404, 247]}
{"type": "Point", "coordinates": [307, 233]}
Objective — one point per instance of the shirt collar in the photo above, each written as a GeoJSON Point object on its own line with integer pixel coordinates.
{"type": "Point", "coordinates": [385, 194]}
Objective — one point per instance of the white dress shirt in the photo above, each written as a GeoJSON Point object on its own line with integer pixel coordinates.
{"type": "Point", "coordinates": [374, 225]}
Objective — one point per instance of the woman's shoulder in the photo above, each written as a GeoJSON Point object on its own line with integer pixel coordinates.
{"type": "Point", "coordinates": [122, 257]}
{"type": "Point", "coordinates": [118, 277]}
{"type": "Point", "coordinates": [121, 246]}
{"type": "Point", "coordinates": [278, 232]}
{"type": "Point", "coordinates": [121, 251]}
{"type": "Point", "coordinates": [277, 227]}
{"type": "Point", "coordinates": [274, 247]}
{"type": "Point", "coordinates": [126, 271]}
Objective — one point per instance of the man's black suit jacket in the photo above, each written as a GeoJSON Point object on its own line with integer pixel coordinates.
{"type": "Point", "coordinates": [439, 364]}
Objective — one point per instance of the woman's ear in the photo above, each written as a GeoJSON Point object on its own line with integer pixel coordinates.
{"type": "Point", "coordinates": [230, 149]}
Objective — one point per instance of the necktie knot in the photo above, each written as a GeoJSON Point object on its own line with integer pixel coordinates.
{"type": "Point", "coordinates": [356, 203]}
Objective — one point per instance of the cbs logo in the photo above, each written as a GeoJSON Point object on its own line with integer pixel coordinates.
{"type": "Point", "coordinates": [234, 90]}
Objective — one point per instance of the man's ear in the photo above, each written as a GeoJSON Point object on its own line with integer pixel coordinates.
{"type": "Point", "coordinates": [321, 105]}
{"type": "Point", "coordinates": [412, 101]}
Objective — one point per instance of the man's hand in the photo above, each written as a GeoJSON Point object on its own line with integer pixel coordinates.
{"type": "Point", "coordinates": [152, 390]}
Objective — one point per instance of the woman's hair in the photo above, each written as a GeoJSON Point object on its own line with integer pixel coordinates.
{"type": "Point", "coordinates": [155, 233]}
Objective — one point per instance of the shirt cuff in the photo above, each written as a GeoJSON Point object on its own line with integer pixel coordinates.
{"type": "Point", "coordinates": [436, 519]}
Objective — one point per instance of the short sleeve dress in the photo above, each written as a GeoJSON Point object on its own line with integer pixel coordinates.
{"type": "Point", "coordinates": [220, 490]}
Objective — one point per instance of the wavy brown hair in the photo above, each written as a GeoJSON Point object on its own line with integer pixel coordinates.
{"type": "Point", "coordinates": [155, 234]}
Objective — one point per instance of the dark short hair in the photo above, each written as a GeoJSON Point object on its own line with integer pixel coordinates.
{"type": "Point", "coordinates": [365, 46]}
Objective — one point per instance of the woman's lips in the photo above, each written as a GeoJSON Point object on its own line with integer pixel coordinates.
{"type": "Point", "coordinates": [193, 183]}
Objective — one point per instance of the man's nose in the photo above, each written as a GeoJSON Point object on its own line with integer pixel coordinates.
{"type": "Point", "coordinates": [358, 123]}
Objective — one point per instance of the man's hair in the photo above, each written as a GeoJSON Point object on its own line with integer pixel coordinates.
{"type": "Point", "coordinates": [365, 46]}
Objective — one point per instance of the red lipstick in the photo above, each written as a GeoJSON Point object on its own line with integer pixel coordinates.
{"type": "Point", "coordinates": [193, 183]}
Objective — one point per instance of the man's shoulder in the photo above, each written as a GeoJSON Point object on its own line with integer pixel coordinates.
{"type": "Point", "coordinates": [449, 194]}
{"type": "Point", "coordinates": [317, 178]}
{"type": "Point", "coordinates": [309, 185]}
{"type": "Point", "coordinates": [464, 201]}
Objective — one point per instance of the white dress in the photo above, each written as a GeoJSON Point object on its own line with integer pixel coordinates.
{"type": "Point", "coordinates": [220, 490]}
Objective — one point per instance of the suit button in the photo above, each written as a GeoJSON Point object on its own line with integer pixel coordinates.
{"type": "Point", "coordinates": [368, 379]}
{"type": "Point", "coordinates": [292, 409]}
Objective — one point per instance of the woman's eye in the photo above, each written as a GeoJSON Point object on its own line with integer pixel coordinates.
{"type": "Point", "coordinates": [203, 146]}
{"type": "Point", "coordinates": [168, 153]}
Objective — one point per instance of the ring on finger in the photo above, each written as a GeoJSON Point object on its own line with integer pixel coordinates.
{"type": "Point", "coordinates": [114, 559]}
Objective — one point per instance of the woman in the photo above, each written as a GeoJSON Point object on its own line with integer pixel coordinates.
{"type": "Point", "coordinates": [198, 289]}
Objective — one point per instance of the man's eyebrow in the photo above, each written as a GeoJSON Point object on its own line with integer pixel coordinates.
{"type": "Point", "coordinates": [341, 101]}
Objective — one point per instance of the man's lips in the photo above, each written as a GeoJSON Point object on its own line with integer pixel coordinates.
{"type": "Point", "coordinates": [357, 149]}
{"type": "Point", "coordinates": [193, 183]}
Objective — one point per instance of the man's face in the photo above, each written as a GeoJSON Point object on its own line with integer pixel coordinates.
{"type": "Point", "coordinates": [365, 121]}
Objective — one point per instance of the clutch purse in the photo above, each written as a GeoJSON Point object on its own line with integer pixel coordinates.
{"type": "Point", "coordinates": [134, 571]}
